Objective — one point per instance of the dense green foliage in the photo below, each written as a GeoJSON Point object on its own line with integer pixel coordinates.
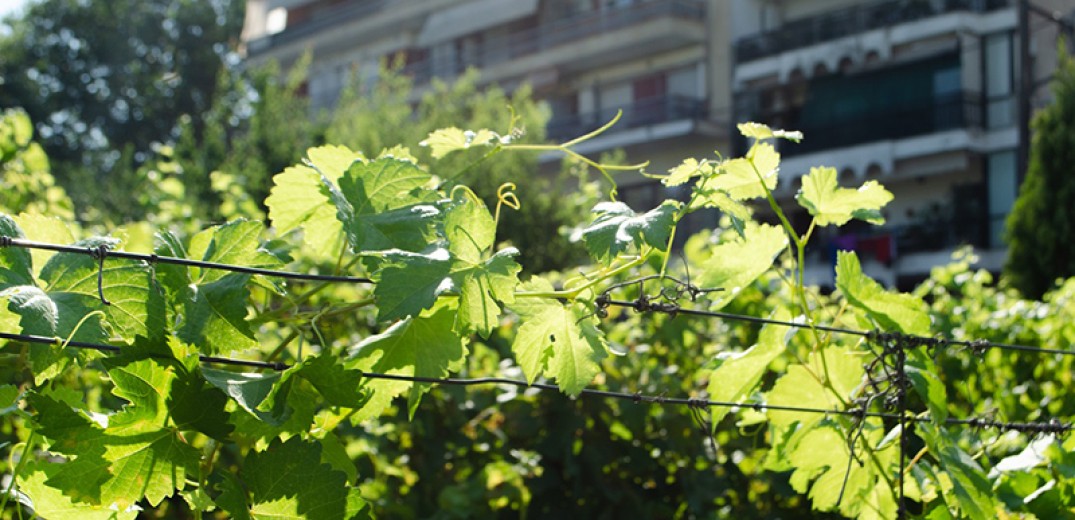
{"type": "Point", "coordinates": [94, 435]}
{"type": "Point", "coordinates": [106, 81]}
{"type": "Point", "coordinates": [1043, 219]}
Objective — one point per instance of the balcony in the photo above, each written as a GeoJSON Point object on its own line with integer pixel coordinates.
{"type": "Point", "coordinates": [644, 112]}
{"type": "Point", "coordinates": [845, 22]}
{"type": "Point", "coordinates": [610, 35]}
{"type": "Point", "coordinates": [320, 20]}
{"type": "Point", "coordinates": [894, 121]}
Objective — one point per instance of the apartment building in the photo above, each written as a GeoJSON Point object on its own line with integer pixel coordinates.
{"type": "Point", "coordinates": [925, 96]}
{"type": "Point", "coordinates": [653, 59]}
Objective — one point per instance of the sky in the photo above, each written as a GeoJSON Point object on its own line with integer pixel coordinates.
{"type": "Point", "coordinates": [8, 6]}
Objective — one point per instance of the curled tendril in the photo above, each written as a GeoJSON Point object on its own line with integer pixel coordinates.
{"type": "Point", "coordinates": [505, 196]}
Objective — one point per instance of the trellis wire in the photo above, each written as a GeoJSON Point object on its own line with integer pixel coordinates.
{"type": "Point", "coordinates": [100, 254]}
{"type": "Point", "coordinates": [1052, 426]}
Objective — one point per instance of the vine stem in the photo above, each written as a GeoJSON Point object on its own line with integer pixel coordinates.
{"type": "Point", "coordinates": [571, 294]}
{"type": "Point", "coordinates": [18, 470]}
{"type": "Point", "coordinates": [799, 289]}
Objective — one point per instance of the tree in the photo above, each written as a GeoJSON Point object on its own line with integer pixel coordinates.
{"type": "Point", "coordinates": [105, 80]}
{"type": "Point", "coordinates": [1042, 223]}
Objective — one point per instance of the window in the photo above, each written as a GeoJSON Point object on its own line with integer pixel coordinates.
{"type": "Point", "coordinates": [1003, 185]}
{"type": "Point", "coordinates": [998, 80]}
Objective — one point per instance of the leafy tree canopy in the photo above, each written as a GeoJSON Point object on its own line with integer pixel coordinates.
{"type": "Point", "coordinates": [1042, 223]}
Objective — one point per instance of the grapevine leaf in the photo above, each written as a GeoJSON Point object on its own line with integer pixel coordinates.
{"type": "Point", "coordinates": [214, 315]}
{"type": "Point", "coordinates": [738, 374]}
{"type": "Point", "coordinates": [831, 204]}
{"type": "Point", "coordinates": [748, 177]}
{"type": "Point", "coordinates": [617, 227]}
{"type": "Point", "coordinates": [251, 390]}
{"type": "Point", "coordinates": [866, 495]}
{"type": "Point", "coordinates": [719, 199]}
{"type": "Point", "coordinates": [288, 480]}
{"type": "Point", "coordinates": [800, 386]}
{"type": "Point", "coordinates": [532, 349]}
{"type": "Point", "coordinates": [687, 170]}
{"type": "Point", "coordinates": [483, 288]}
{"type": "Point", "coordinates": [891, 311]}
{"type": "Point", "coordinates": [234, 243]}
{"type": "Point", "coordinates": [9, 399]}
{"type": "Point", "coordinates": [382, 205]}
{"type": "Point", "coordinates": [736, 264]}
{"type": "Point", "coordinates": [300, 198]}
{"type": "Point", "coordinates": [558, 339]}
{"type": "Point", "coordinates": [760, 132]}
{"type": "Point", "coordinates": [56, 315]}
{"type": "Point", "coordinates": [196, 406]}
{"type": "Point", "coordinates": [335, 454]}
{"type": "Point", "coordinates": [49, 502]}
{"type": "Point", "coordinates": [137, 305]}
{"type": "Point", "coordinates": [138, 455]}
{"type": "Point", "coordinates": [41, 228]}
{"type": "Point", "coordinates": [971, 489]}
{"type": "Point", "coordinates": [928, 386]}
{"type": "Point", "coordinates": [336, 384]}
{"type": "Point", "coordinates": [469, 228]}
{"type": "Point", "coordinates": [232, 498]}
{"type": "Point", "coordinates": [9, 321]}
{"type": "Point", "coordinates": [411, 282]}
{"type": "Point", "coordinates": [16, 263]}
{"type": "Point", "coordinates": [447, 140]}
{"type": "Point", "coordinates": [423, 346]}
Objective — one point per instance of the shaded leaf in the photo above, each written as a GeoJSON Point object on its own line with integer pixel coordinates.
{"type": "Point", "coordinates": [617, 227]}
{"type": "Point", "coordinates": [424, 346]}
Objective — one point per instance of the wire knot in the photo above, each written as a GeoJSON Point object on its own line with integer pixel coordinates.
{"type": "Point", "coordinates": [5, 241]}
{"type": "Point", "coordinates": [99, 253]}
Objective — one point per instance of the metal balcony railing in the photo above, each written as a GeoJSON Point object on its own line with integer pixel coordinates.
{"type": "Point", "coordinates": [573, 28]}
{"type": "Point", "coordinates": [844, 22]}
{"type": "Point", "coordinates": [643, 112]}
{"type": "Point", "coordinates": [896, 121]}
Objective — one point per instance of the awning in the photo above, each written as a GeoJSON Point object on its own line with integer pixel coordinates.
{"type": "Point", "coordinates": [472, 17]}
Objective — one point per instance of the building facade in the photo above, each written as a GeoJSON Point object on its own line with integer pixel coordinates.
{"type": "Point", "coordinates": [926, 96]}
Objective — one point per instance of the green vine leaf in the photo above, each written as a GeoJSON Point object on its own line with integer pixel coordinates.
{"type": "Point", "coordinates": [483, 288]}
{"type": "Point", "coordinates": [409, 283]}
{"type": "Point", "coordinates": [447, 140]}
{"type": "Point", "coordinates": [383, 205]}
{"type": "Point", "coordinates": [16, 264]}
{"type": "Point", "coordinates": [801, 386]}
{"type": "Point", "coordinates": [748, 177]}
{"type": "Point", "coordinates": [300, 198]}
{"type": "Point", "coordinates": [288, 480]}
{"type": "Point", "coordinates": [617, 228]}
{"type": "Point", "coordinates": [557, 339]}
{"type": "Point", "coordinates": [139, 454]}
{"type": "Point", "coordinates": [49, 502]}
{"type": "Point", "coordinates": [41, 228]}
{"type": "Point", "coordinates": [891, 311]}
{"type": "Point", "coordinates": [686, 171]}
{"type": "Point", "coordinates": [832, 205]}
{"type": "Point", "coordinates": [762, 132]}
{"type": "Point", "coordinates": [213, 302]}
{"type": "Point", "coordinates": [736, 264]}
{"type": "Point", "coordinates": [972, 492]}
{"type": "Point", "coordinates": [425, 346]}
{"type": "Point", "coordinates": [738, 374]}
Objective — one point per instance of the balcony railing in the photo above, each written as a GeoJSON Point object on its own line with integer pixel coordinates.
{"type": "Point", "coordinates": [844, 22]}
{"type": "Point", "coordinates": [644, 112]}
{"type": "Point", "coordinates": [518, 44]}
{"type": "Point", "coordinates": [946, 112]}
{"type": "Point", "coordinates": [319, 21]}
